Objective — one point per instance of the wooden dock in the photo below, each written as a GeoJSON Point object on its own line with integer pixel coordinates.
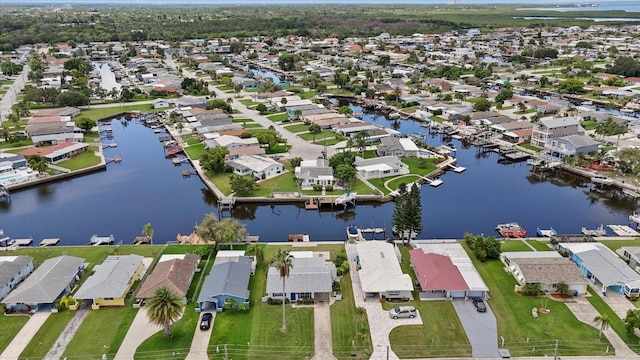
{"type": "Point", "coordinates": [49, 242]}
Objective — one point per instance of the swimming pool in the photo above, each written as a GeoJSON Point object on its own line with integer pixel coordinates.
{"type": "Point", "coordinates": [9, 177]}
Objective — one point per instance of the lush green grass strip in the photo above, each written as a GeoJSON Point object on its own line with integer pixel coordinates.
{"type": "Point", "coordinates": [509, 245]}
{"type": "Point", "coordinates": [44, 339]}
{"type": "Point", "coordinates": [195, 151]}
{"type": "Point", "coordinates": [421, 166]}
{"type": "Point", "coordinates": [9, 328]}
{"type": "Point", "coordinates": [278, 117]}
{"type": "Point", "coordinates": [101, 113]}
{"type": "Point", "coordinates": [615, 322]}
{"type": "Point", "coordinates": [540, 245]}
{"type": "Point", "coordinates": [297, 128]}
{"type": "Point", "coordinates": [81, 161]}
{"type": "Point", "coordinates": [349, 330]}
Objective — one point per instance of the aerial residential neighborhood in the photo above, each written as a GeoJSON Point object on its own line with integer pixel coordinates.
{"type": "Point", "coordinates": [312, 190]}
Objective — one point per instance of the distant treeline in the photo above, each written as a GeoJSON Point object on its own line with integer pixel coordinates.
{"type": "Point", "coordinates": [25, 25]}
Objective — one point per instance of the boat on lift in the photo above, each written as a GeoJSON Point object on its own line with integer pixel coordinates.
{"type": "Point", "coordinates": [511, 230]}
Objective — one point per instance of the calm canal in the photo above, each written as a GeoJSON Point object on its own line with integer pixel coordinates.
{"type": "Point", "coordinates": [146, 187]}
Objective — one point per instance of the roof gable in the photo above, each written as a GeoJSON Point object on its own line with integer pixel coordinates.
{"type": "Point", "coordinates": [111, 278]}
{"type": "Point", "coordinates": [437, 272]}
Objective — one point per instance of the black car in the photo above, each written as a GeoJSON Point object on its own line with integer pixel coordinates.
{"type": "Point", "coordinates": [479, 304]}
{"type": "Point", "coordinates": [205, 322]}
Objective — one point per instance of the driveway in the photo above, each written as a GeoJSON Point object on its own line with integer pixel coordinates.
{"type": "Point", "coordinates": [481, 329]}
{"type": "Point", "coordinates": [139, 331]}
{"type": "Point", "coordinates": [200, 342]}
{"type": "Point", "coordinates": [322, 332]}
{"type": "Point", "coordinates": [24, 336]}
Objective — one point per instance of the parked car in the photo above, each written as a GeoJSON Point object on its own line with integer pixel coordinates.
{"type": "Point", "coordinates": [479, 304]}
{"type": "Point", "coordinates": [403, 312]}
{"type": "Point", "coordinates": [205, 322]}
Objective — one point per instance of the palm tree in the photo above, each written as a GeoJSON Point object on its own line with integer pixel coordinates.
{"type": "Point", "coordinates": [283, 261]}
{"type": "Point", "coordinates": [148, 231]}
{"type": "Point", "coordinates": [315, 129]}
{"type": "Point", "coordinates": [164, 308]}
{"type": "Point", "coordinates": [602, 322]}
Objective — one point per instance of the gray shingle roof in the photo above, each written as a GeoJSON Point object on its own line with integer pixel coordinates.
{"type": "Point", "coordinates": [229, 278]}
{"type": "Point", "coordinates": [47, 282]}
{"type": "Point", "coordinates": [550, 270]}
{"type": "Point", "coordinates": [111, 278]}
{"type": "Point", "coordinates": [8, 269]}
{"type": "Point", "coordinates": [311, 275]}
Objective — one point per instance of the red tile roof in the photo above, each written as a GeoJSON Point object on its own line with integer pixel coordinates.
{"type": "Point", "coordinates": [43, 151]}
{"type": "Point", "coordinates": [437, 272]}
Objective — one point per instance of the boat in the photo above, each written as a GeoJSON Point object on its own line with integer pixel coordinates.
{"type": "Point", "coordinates": [600, 231]}
{"type": "Point", "coordinates": [601, 180]}
{"type": "Point", "coordinates": [512, 229]}
{"type": "Point", "coordinates": [353, 234]}
{"type": "Point", "coordinates": [546, 232]}
{"type": "Point", "coordinates": [102, 240]}
{"type": "Point", "coordinates": [394, 115]}
{"type": "Point", "coordinates": [635, 217]}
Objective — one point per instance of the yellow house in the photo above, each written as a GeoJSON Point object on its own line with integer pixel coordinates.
{"type": "Point", "coordinates": [111, 281]}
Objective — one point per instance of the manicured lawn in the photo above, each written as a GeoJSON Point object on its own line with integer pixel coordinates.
{"type": "Point", "coordinates": [81, 161]}
{"type": "Point", "coordinates": [307, 94]}
{"type": "Point", "coordinates": [18, 143]}
{"type": "Point", "coordinates": [9, 327]}
{"type": "Point", "coordinates": [410, 109]}
{"type": "Point", "coordinates": [279, 149]}
{"type": "Point", "coordinates": [514, 245]}
{"type": "Point", "coordinates": [530, 147]}
{"type": "Point", "coordinates": [221, 181]}
{"type": "Point", "coordinates": [252, 126]}
{"type": "Point", "coordinates": [92, 254]}
{"type": "Point", "coordinates": [278, 117]}
{"type": "Point", "coordinates": [527, 111]}
{"type": "Point", "coordinates": [193, 141]}
{"type": "Point", "coordinates": [281, 183]}
{"type": "Point", "coordinates": [539, 245]}
{"type": "Point", "coordinates": [100, 113]}
{"type": "Point", "coordinates": [91, 136]}
{"type": "Point", "coordinates": [6, 82]}
{"type": "Point", "coordinates": [420, 166]}
{"type": "Point", "coordinates": [615, 322]}
{"type": "Point", "coordinates": [246, 102]}
{"type": "Point", "coordinates": [515, 324]}
{"type": "Point", "coordinates": [589, 125]}
{"type": "Point", "coordinates": [362, 188]}
{"type": "Point", "coordinates": [242, 120]}
{"type": "Point", "coordinates": [394, 184]}
{"type": "Point", "coordinates": [379, 184]}
{"type": "Point", "coordinates": [101, 335]}
{"type": "Point", "coordinates": [195, 151]}
{"type": "Point", "coordinates": [43, 340]}
{"type": "Point", "coordinates": [345, 321]}
{"type": "Point", "coordinates": [320, 136]}
{"type": "Point", "coordinates": [180, 342]}
{"type": "Point", "coordinates": [297, 128]}
{"type": "Point", "coordinates": [617, 244]}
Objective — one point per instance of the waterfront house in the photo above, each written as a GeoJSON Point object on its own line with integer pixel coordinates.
{"type": "Point", "coordinates": [351, 129]}
{"type": "Point", "coordinates": [66, 113]}
{"type": "Point", "coordinates": [111, 281]}
{"type": "Point", "coordinates": [631, 254]}
{"type": "Point", "coordinates": [314, 172]}
{"type": "Point", "coordinates": [226, 281]}
{"type": "Point", "coordinates": [569, 146]}
{"type": "Point", "coordinates": [260, 167]}
{"type": "Point", "coordinates": [546, 268]}
{"type": "Point", "coordinates": [311, 277]}
{"type": "Point", "coordinates": [172, 271]}
{"type": "Point", "coordinates": [160, 104]}
{"type": "Point", "coordinates": [10, 162]}
{"type": "Point", "coordinates": [52, 133]}
{"type": "Point", "coordinates": [551, 128]}
{"type": "Point", "coordinates": [603, 267]}
{"type": "Point", "coordinates": [13, 270]}
{"type": "Point", "coordinates": [57, 153]}
{"type": "Point", "coordinates": [49, 282]}
{"type": "Point", "coordinates": [230, 142]}
{"type": "Point", "coordinates": [236, 152]}
{"type": "Point", "coordinates": [394, 146]}
{"type": "Point", "coordinates": [444, 270]}
{"type": "Point", "coordinates": [378, 264]}
{"type": "Point", "coordinates": [379, 167]}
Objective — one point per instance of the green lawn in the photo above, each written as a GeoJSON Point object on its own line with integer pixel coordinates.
{"type": "Point", "coordinates": [379, 183]}
{"type": "Point", "coordinates": [530, 147]}
{"type": "Point", "coordinates": [102, 337]}
{"type": "Point", "coordinates": [9, 327]}
{"type": "Point", "coordinates": [615, 322]}
{"type": "Point", "coordinates": [278, 117]}
{"type": "Point", "coordinates": [246, 102]}
{"type": "Point", "coordinates": [347, 326]}
{"type": "Point", "coordinates": [242, 120]}
{"type": "Point", "coordinates": [421, 166]}
{"type": "Point", "coordinates": [514, 245]}
{"type": "Point", "coordinates": [15, 143]}
{"type": "Point", "coordinates": [280, 183]}
{"type": "Point", "coordinates": [43, 340]}
{"type": "Point", "coordinates": [320, 136]}
{"type": "Point", "coordinates": [6, 82]}
{"type": "Point", "coordinates": [617, 244]}
{"type": "Point", "coordinates": [81, 161]}
{"type": "Point", "coordinates": [162, 348]}
{"type": "Point", "coordinates": [101, 113]}
{"type": "Point", "coordinates": [297, 128]}
{"type": "Point", "coordinates": [589, 125]}
{"type": "Point", "coordinates": [410, 109]}
{"type": "Point", "coordinates": [307, 94]}
{"type": "Point", "coordinates": [193, 141]}
{"type": "Point", "coordinates": [195, 151]}
{"type": "Point", "coordinates": [394, 184]}
{"type": "Point", "coordinates": [92, 254]}
{"type": "Point", "coordinates": [515, 324]}
{"type": "Point", "coordinates": [91, 136]}
{"type": "Point", "coordinates": [540, 245]}
{"type": "Point", "coordinates": [252, 126]}
{"type": "Point", "coordinates": [279, 149]}
{"type": "Point", "coordinates": [221, 181]}
{"type": "Point", "coordinates": [527, 111]}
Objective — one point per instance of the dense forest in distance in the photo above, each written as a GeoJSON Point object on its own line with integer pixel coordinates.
{"type": "Point", "coordinates": [27, 25]}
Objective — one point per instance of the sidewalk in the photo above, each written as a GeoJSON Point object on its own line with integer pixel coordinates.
{"type": "Point", "coordinates": [24, 336]}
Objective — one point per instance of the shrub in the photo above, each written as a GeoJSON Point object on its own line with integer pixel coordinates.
{"type": "Point", "coordinates": [335, 286]}
{"type": "Point", "coordinates": [340, 258]}
{"type": "Point", "coordinates": [329, 187]}
{"type": "Point", "coordinates": [437, 112]}
{"type": "Point", "coordinates": [317, 187]}
{"type": "Point", "coordinates": [271, 301]}
{"type": "Point", "coordinates": [343, 269]}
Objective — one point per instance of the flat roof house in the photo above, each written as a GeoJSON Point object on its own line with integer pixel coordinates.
{"type": "Point", "coordinates": [547, 268]}
{"type": "Point", "coordinates": [13, 270]}
{"type": "Point", "coordinates": [226, 281]}
{"type": "Point", "coordinates": [314, 172]}
{"type": "Point", "coordinates": [260, 167]}
{"type": "Point", "coordinates": [379, 269]}
{"type": "Point", "coordinates": [111, 281]}
{"type": "Point", "coordinates": [393, 146]}
{"type": "Point", "coordinates": [602, 266]}
{"type": "Point", "coordinates": [378, 167]}
{"type": "Point", "coordinates": [175, 273]}
{"type": "Point", "coordinates": [51, 281]}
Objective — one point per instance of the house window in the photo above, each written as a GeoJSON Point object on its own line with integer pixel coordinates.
{"type": "Point", "coordinates": [305, 295]}
{"type": "Point", "coordinates": [393, 293]}
{"type": "Point", "coordinates": [108, 299]}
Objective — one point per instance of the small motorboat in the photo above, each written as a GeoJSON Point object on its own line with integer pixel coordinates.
{"type": "Point", "coordinates": [601, 180]}
{"type": "Point", "coordinates": [546, 232]}
{"type": "Point", "coordinates": [353, 233]}
{"type": "Point", "coordinates": [635, 217]}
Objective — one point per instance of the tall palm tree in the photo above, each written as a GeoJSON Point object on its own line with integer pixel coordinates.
{"type": "Point", "coordinates": [164, 308]}
{"type": "Point", "coordinates": [283, 261]}
{"type": "Point", "coordinates": [602, 322]}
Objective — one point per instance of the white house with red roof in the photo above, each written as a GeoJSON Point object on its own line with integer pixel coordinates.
{"type": "Point", "coordinates": [445, 271]}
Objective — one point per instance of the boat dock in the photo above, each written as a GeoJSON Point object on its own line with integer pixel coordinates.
{"type": "Point", "coordinates": [15, 243]}
{"type": "Point", "coordinates": [600, 231]}
{"type": "Point", "coordinates": [457, 169]}
{"type": "Point", "coordinates": [4, 194]}
{"type": "Point", "coordinates": [49, 242]}
{"type": "Point", "coordinates": [103, 240]}
{"type": "Point", "coordinates": [298, 238]}
{"type": "Point", "coordinates": [623, 230]}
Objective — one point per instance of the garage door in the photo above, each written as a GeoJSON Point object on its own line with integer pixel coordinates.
{"type": "Point", "coordinates": [458, 294]}
{"type": "Point", "coordinates": [475, 294]}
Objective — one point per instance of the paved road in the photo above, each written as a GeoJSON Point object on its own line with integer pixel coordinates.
{"type": "Point", "coordinates": [24, 336]}
{"type": "Point", "coordinates": [9, 98]}
{"type": "Point", "coordinates": [200, 342]}
{"type": "Point", "coordinates": [323, 342]}
{"type": "Point", "coordinates": [139, 331]}
{"type": "Point", "coordinates": [481, 329]}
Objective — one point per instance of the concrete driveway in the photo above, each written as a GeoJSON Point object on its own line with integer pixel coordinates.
{"type": "Point", "coordinates": [139, 331]}
{"type": "Point", "coordinates": [481, 329]}
{"type": "Point", "coordinates": [200, 342]}
{"type": "Point", "coordinates": [24, 336]}
{"type": "Point", "coordinates": [322, 332]}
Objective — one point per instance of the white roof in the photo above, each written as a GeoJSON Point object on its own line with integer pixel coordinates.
{"type": "Point", "coordinates": [110, 279]}
{"type": "Point", "coordinates": [460, 259]}
{"type": "Point", "coordinates": [530, 254]}
{"type": "Point", "coordinates": [254, 162]}
{"type": "Point", "coordinates": [408, 144]}
{"type": "Point", "coordinates": [380, 269]}
{"type": "Point", "coordinates": [374, 167]}
{"type": "Point", "coordinates": [226, 140]}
